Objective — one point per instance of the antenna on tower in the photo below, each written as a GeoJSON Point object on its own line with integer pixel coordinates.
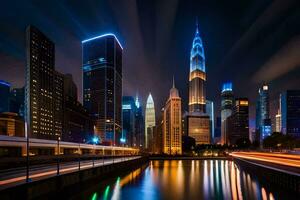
{"type": "Point", "coordinates": [173, 82]}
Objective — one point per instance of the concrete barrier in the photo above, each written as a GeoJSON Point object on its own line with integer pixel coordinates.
{"type": "Point", "coordinates": [69, 182]}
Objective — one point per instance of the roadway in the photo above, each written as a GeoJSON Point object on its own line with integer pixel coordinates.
{"type": "Point", "coordinates": [284, 162]}
{"type": "Point", "coordinates": [15, 176]}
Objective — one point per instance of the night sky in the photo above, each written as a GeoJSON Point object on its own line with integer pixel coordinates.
{"type": "Point", "coordinates": [247, 42]}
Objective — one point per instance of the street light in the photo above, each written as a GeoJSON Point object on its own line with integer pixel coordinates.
{"type": "Point", "coordinates": [58, 153]}
{"type": "Point", "coordinates": [95, 141]}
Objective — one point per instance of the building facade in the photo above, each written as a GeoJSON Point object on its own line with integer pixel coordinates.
{"type": "Point", "coordinates": [210, 111]}
{"type": "Point", "coordinates": [172, 124]}
{"type": "Point", "coordinates": [77, 124]}
{"type": "Point", "coordinates": [11, 124]}
{"type": "Point", "coordinates": [128, 116]}
{"type": "Point", "coordinates": [43, 88]}
{"type": "Point", "coordinates": [238, 122]}
{"type": "Point", "coordinates": [149, 122]}
{"type": "Point", "coordinates": [227, 102]}
{"type": "Point", "coordinates": [102, 85]}
{"type": "Point", "coordinates": [139, 124]}
{"type": "Point", "coordinates": [4, 94]}
{"type": "Point", "coordinates": [290, 113]}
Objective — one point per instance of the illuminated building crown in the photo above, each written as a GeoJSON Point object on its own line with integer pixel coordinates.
{"type": "Point", "coordinates": [197, 59]}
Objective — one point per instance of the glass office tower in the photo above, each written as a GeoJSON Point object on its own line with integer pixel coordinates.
{"type": "Point", "coordinates": [102, 85]}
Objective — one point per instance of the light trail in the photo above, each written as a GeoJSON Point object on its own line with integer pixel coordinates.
{"type": "Point", "coordinates": [281, 159]}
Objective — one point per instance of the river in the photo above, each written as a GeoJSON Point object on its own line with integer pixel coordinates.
{"type": "Point", "coordinates": [186, 179]}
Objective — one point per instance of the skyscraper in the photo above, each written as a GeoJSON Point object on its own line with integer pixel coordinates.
{"type": "Point", "coordinates": [4, 94]}
{"type": "Point", "coordinates": [227, 101]}
{"type": "Point", "coordinates": [290, 113]}
{"type": "Point", "coordinates": [102, 85]}
{"type": "Point", "coordinates": [238, 122]}
{"type": "Point", "coordinates": [197, 121]}
{"type": "Point", "coordinates": [43, 88]}
{"type": "Point", "coordinates": [263, 115]}
{"type": "Point", "coordinates": [172, 125]}
{"type": "Point", "coordinates": [139, 124]}
{"type": "Point", "coordinates": [149, 121]}
{"type": "Point", "coordinates": [210, 111]}
{"type": "Point", "coordinates": [128, 116]}
{"type": "Point", "coordinates": [197, 77]}
{"type": "Point", "coordinates": [278, 117]}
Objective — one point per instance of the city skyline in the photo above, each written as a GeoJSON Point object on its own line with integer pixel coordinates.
{"type": "Point", "coordinates": [157, 99]}
{"type": "Point", "coordinates": [220, 46]}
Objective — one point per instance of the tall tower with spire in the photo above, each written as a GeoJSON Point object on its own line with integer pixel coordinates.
{"type": "Point", "coordinates": [172, 123]}
{"type": "Point", "coordinates": [197, 78]}
{"type": "Point", "coordinates": [197, 121]}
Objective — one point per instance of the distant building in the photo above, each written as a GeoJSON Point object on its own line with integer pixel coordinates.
{"type": "Point", "coordinates": [17, 101]}
{"type": "Point", "coordinates": [278, 118]}
{"type": "Point", "coordinates": [217, 138]}
{"type": "Point", "coordinates": [172, 125]}
{"type": "Point", "coordinates": [238, 122]}
{"type": "Point", "coordinates": [227, 103]}
{"type": "Point", "coordinates": [11, 124]}
{"type": "Point", "coordinates": [158, 135]}
{"type": "Point", "coordinates": [210, 111]}
{"type": "Point", "coordinates": [77, 126]}
{"type": "Point", "coordinates": [139, 124]}
{"type": "Point", "coordinates": [263, 113]}
{"type": "Point", "coordinates": [4, 94]}
{"type": "Point", "coordinates": [290, 113]}
{"type": "Point", "coordinates": [43, 88]}
{"type": "Point", "coordinates": [128, 115]}
{"type": "Point", "coordinates": [149, 122]}
{"type": "Point", "coordinates": [102, 85]}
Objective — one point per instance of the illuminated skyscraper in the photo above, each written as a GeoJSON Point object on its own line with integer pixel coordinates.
{"type": "Point", "coordinates": [172, 125]}
{"type": "Point", "coordinates": [102, 85]}
{"type": "Point", "coordinates": [43, 88]}
{"type": "Point", "coordinates": [263, 121]}
{"type": "Point", "coordinates": [149, 121]}
{"type": "Point", "coordinates": [197, 121]}
{"type": "Point", "coordinates": [197, 77]}
{"type": "Point", "coordinates": [227, 101]}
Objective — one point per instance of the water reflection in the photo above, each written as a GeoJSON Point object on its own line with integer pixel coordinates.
{"type": "Point", "coordinates": [207, 179]}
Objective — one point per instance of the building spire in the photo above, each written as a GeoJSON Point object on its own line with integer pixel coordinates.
{"type": "Point", "coordinates": [197, 26]}
{"type": "Point", "coordinates": [173, 82]}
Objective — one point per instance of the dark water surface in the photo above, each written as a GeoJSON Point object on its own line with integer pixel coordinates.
{"type": "Point", "coordinates": [187, 179]}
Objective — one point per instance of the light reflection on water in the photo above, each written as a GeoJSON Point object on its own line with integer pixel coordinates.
{"type": "Point", "coordinates": [195, 179]}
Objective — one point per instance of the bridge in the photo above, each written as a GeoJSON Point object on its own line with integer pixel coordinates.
{"type": "Point", "coordinates": [279, 168]}
{"type": "Point", "coordinates": [53, 147]}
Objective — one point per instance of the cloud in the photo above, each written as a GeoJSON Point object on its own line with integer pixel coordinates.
{"type": "Point", "coordinates": [284, 61]}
